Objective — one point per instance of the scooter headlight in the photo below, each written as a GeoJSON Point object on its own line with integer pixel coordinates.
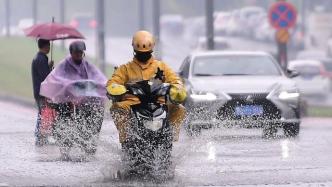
{"type": "Point", "coordinates": [154, 125]}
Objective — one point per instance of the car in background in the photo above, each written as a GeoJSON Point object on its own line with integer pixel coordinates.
{"type": "Point", "coordinates": [312, 81]}
{"type": "Point", "coordinates": [220, 43]}
{"type": "Point", "coordinates": [318, 55]}
{"type": "Point", "coordinates": [172, 25]}
{"type": "Point", "coordinates": [239, 88]}
{"type": "Point", "coordinates": [85, 23]}
{"type": "Point", "coordinates": [25, 23]}
{"type": "Point", "coordinates": [327, 63]}
{"type": "Point", "coordinates": [220, 22]}
{"type": "Point", "coordinates": [249, 18]}
{"type": "Point", "coordinates": [234, 26]}
{"type": "Point", "coordinates": [18, 30]}
{"type": "Point", "coordinates": [264, 32]}
{"type": "Point", "coordinates": [297, 37]}
{"type": "Point", "coordinates": [14, 31]}
{"type": "Point", "coordinates": [310, 54]}
{"type": "Point", "coordinates": [329, 47]}
{"type": "Point", "coordinates": [194, 28]}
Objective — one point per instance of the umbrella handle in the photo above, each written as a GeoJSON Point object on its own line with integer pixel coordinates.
{"type": "Point", "coordinates": [51, 50]}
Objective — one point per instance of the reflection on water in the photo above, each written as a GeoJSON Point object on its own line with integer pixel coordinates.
{"type": "Point", "coordinates": [284, 149]}
{"type": "Point", "coordinates": [211, 152]}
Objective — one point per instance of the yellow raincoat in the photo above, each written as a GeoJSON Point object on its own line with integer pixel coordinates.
{"type": "Point", "coordinates": [136, 71]}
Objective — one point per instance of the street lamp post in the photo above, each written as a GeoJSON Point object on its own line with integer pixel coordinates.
{"type": "Point", "coordinates": [156, 28]}
{"type": "Point", "coordinates": [35, 11]}
{"type": "Point", "coordinates": [101, 34]}
{"type": "Point", "coordinates": [7, 5]}
{"type": "Point", "coordinates": [209, 24]}
{"type": "Point", "coordinates": [141, 14]}
{"type": "Point", "coordinates": [62, 19]}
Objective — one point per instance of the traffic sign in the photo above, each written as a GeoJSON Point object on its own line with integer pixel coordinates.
{"type": "Point", "coordinates": [282, 35]}
{"type": "Point", "coordinates": [282, 15]}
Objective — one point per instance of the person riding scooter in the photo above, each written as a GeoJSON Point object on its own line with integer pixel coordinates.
{"type": "Point", "coordinates": [144, 67]}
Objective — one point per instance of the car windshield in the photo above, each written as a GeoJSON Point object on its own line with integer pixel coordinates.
{"type": "Point", "coordinates": [307, 70]}
{"type": "Point", "coordinates": [234, 65]}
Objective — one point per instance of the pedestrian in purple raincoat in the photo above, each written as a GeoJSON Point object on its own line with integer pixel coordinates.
{"type": "Point", "coordinates": [77, 89]}
{"type": "Point", "coordinates": [58, 84]}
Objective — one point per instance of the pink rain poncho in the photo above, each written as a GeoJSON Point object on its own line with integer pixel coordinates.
{"type": "Point", "coordinates": [70, 82]}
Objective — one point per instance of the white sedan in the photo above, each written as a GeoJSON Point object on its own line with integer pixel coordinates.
{"type": "Point", "coordinates": [239, 88]}
{"type": "Point", "coordinates": [311, 81]}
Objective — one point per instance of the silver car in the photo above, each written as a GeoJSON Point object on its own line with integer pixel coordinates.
{"type": "Point", "coordinates": [240, 88]}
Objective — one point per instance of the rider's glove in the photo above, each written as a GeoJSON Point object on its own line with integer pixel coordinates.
{"type": "Point", "coordinates": [116, 89]}
{"type": "Point", "coordinates": [177, 94]}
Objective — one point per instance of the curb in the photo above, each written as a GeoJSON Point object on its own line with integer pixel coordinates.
{"type": "Point", "coordinates": [17, 100]}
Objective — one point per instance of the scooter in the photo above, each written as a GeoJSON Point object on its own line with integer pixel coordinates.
{"type": "Point", "coordinates": [78, 123]}
{"type": "Point", "coordinates": [147, 150]}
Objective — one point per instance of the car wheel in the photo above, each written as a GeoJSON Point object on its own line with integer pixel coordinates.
{"type": "Point", "coordinates": [269, 131]}
{"type": "Point", "coordinates": [303, 108]}
{"type": "Point", "coordinates": [291, 129]}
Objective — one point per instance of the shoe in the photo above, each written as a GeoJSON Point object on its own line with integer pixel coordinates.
{"type": "Point", "coordinates": [41, 141]}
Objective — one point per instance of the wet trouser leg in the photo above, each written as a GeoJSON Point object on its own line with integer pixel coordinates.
{"type": "Point", "coordinates": [40, 139]}
{"type": "Point", "coordinates": [37, 131]}
{"type": "Point", "coordinates": [121, 120]}
{"type": "Point", "coordinates": [177, 114]}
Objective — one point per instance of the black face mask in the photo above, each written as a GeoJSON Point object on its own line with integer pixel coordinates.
{"type": "Point", "coordinates": [143, 56]}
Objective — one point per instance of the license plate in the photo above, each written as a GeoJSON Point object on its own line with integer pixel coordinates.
{"type": "Point", "coordinates": [249, 110]}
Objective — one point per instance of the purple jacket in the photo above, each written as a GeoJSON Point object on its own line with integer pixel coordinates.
{"type": "Point", "coordinates": [64, 83]}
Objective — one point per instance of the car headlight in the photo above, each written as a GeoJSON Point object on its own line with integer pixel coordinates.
{"type": "Point", "coordinates": [286, 95]}
{"type": "Point", "coordinates": [203, 96]}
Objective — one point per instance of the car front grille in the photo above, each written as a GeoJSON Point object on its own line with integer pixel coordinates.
{"type": "Point", "coordinates": [270, 111]}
